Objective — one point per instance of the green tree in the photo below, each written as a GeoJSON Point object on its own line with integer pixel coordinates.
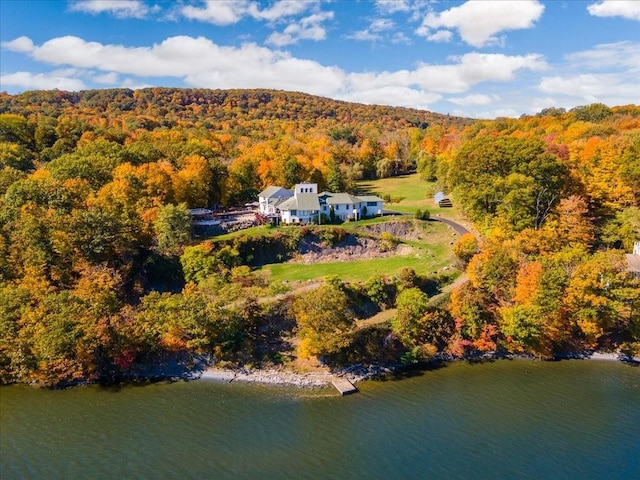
{"type": "Point", "coordinates": [509, 176]}
{"type": "Point", "coordinates": [15, 129]}
{"type": "Point", "coordinates": [412, 305]}
{"type": "Point", "coordinates": [324, 320]}
{"type": "Point", "coordinates": [522, 325]}
{"type": "Point", "coordinates": [172, 228]}
{"type": "Point", "coordinates": [335, 177]}
{"type": "Point", "coordinates": [427, 167]}
{"type": "Point", "coordinates": [16, 156]}
{"type": "Point", "coordinates": [595, 112]}
{"type": "Point", "coordinates": [201, 261]}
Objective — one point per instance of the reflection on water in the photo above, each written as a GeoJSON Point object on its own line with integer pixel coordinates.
{"type": "Point", "coordinates": [507, 419]}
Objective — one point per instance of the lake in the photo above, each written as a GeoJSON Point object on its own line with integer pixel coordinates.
{"type": "Point", "coordinates": [516, 419]}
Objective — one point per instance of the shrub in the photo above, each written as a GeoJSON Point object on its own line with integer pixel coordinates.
{"type": "Point", "coordinates": [466, 247]}
{"type": "Point", "coordinates": [387, 242]}
{"type": "Point", "coordinates": [422, 214]}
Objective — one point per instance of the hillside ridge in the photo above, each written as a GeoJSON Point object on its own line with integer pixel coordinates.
{"type": "Point", "coordinates": [199, 103]}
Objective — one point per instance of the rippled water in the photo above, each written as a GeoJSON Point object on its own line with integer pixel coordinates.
{"type": "Point", "coordinates": [506, 420]}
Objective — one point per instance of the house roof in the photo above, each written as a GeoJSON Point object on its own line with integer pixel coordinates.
{"type": "Point", "coordinates": [302, 201]}
{"type": "Point", "coordinates": [275, 192]}
{"type": "Point", "coordinates": [633, 263]}
{"type": "Point", "coordinates": [438, 197]}
{"type": "Point", "coordinates": [199, 211]}
{"type": "Point", "coordinates": [343, 199]}
{"type": "Point", "coordinates": [369, 198]}
{"type": "Point", "coordinates": [277, 201]}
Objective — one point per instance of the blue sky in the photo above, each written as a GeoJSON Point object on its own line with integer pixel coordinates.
{"type": "Point", "coordinates": [480, 58]}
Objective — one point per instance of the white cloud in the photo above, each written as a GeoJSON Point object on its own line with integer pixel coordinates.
{"type": "Point", "coordinates": [381, 24]}
{"type": "Point", "coordinates": [474, 68]}
{"type": "Point", "coordinates": [607, 56]}
{"type": "Point", "coordinates": [222, 12]}
{"type": "Point", "coordinates": [393, 6]}
{"type": "Point", "coordinates": [21, 45]}
{"type": "Point", "coordinates": [41, 81]}
{"type": "Point", "coordinates": [117, 8]}
{"type": "Point", "coordinates": [504, 112]}
{"type": "Point", "coordinates": [135, 85]}
{"type": "Point", "coordinates": [474, 100]}
{"type": "Point", "coordinates": [486, 113]}
{"type": "Point", "coordinates": [440, 36]}
{"type": "Point", "coordinates": [364, 36]}
{"type": "Point", "coordinates": [201, 63]}
{"type": "Point", "coordinates": [227, 12]}
{"type": "Point", "coordinates": [392, 95]}
{"type": "Point", "coordinates": [400, 37]}
{"type": "Point", "coordinates": [280, 9]}
{"type": "Point", "coordinates": [616, 8]}
{"type": "Point", "coordinates": [478, 22]}
{"type": "Point", "coordinates": [309, 28]}
{"type": "Point", "coordinates": [607, 73]}
{"type": "Point", "coordinates": [376, 31]}
{"type": "Point", "coordinates": [110, 78]}
{"type": "Point", "coordinates": [608, 88]}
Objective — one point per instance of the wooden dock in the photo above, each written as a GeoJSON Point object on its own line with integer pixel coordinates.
{"type": "Point", "coordinates": [343, 385]}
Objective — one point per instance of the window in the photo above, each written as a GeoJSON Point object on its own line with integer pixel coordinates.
{"type": "Point", "coordinates": [294, 212]}
{"type": "Point", "coordinates": [372, 204]}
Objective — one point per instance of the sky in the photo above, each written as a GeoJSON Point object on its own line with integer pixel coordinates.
{"type": "Point", "coordinates": [481, 59]}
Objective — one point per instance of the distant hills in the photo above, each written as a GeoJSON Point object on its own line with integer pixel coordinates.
{"type": "Point", "coordinates": [172, 105]}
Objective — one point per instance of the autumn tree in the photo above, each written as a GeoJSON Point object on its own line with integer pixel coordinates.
{"type": "Point", "coordinates": [466, 247]}
{"type": "Point", "coordinates": [324, 320]}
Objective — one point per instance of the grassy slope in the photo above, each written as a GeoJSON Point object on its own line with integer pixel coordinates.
{"type": "Point", "coordinates": [417, 194]}
{"type": "Point", "coordinates": [425, 259]}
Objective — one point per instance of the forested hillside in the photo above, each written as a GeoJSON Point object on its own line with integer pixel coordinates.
{"type": "Point", "coordinates": [99, 273]}
{"type": "Point", "coordinates": [557, 198]}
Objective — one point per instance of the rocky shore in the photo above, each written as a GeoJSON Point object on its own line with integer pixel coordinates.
{"type": "Point", "coordinates": [359, 372]}
{"type": "Point", "coordinates": [266, 376]}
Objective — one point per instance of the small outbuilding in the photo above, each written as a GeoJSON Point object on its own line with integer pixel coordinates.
{"type": "Point", "coordinates": [442, 200]}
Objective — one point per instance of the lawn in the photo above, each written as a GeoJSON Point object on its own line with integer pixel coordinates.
{"type": "Point", "coordinates": [356, 271]}
{"type": "Point", "coordinates": [258, 230]}
{"type": "Point", "coordinates": [417, 194]}
{"type": "Point", "coordinates": [428, 256]}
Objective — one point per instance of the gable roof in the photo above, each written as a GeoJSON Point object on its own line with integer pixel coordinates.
{"type": "Point", "coordinates": [369, 198]}
{"type": "Point", "coordinates": [275, 192]}
{"type": "Point", "coordinates": [440, 196]}
{"type": "Point", "coordinates": [302, 201]}
{"type": "Point", "coordinates": [342, 198]}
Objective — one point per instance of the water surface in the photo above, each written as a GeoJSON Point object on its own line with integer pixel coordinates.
{"type": "Point", "coordinates": [508, 419]}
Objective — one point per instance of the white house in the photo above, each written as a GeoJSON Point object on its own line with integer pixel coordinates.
{"type": "Point", "coordinates": [303, 207]}
{"type": "Point", "coordinates": [270, 198]}
{"type": "Point", "coordinates": [306, 205]}
{"type": "Point", "coordinates": [371, 205]}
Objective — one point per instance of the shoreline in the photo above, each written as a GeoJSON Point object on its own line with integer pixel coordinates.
{"type": "Point", "coordinates": [358, 373]}
{"type": "Point", "coordinates": [266, 377]}
{"type": "Point", "coordinates": [175, 370]}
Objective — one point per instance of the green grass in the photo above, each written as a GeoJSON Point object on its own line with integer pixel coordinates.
{"type": "Point", "coordinates": [417, 194]}
{"type": "Point", "coordinates": [425, 259]}
{"type": "Point", "coordinates": [261, 229]}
